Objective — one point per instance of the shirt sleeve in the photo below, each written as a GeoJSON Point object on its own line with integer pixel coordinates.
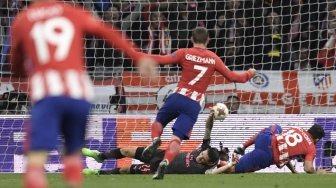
{"type": "Point", "coordinates": [310, 156]}
{"type": "Point", "coordinates": [111, 34]}
{"type": "Point", "coordinates": [174, 58]}
{"type": "Point", "coordinates": [231, 75]}
{"type": "Point", "coordinates": [16, 57]}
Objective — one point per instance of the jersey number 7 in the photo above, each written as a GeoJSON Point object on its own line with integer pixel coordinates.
{"type": "Point", "coordinates": [199, 75]}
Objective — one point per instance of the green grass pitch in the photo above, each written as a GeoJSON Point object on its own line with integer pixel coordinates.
{"type": "Point", "coordinates": [256, 180]}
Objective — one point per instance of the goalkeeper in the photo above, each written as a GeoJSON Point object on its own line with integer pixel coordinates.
{"type": "Point", "coordinates": [197, 161]}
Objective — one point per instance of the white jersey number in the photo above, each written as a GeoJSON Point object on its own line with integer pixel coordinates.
{"type": "Point", "coordinates": [292, 138]}
{"type": "Point", "coordinates": [59, 32]}
{"type": "Point", "coordinates": [199, 75]}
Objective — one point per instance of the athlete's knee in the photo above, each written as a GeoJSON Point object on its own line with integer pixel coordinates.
{"type": "Point", "coordinates": [175, 138]}
{"type": "Point", "coordinates": [157, 123]}
{"type": "Point", "coordinates": [179, 135]}
{"type": "Point", "coordinates": [138, 154]}
{"type": "Point", "coordinates": [128, 152]}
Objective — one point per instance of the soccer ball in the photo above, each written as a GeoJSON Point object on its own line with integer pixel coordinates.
{"type": "Point", "coordinates": [221, 111]}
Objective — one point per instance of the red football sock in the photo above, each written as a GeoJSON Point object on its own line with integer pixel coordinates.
{"type": "Point", "coordinates": [172, 150]}
{"type": "Point", "coordinates": [73, 171]}
{"type": "Point", "coordinates": [35, 178]}
{"type": "Point", "coordinates": [156, 129]}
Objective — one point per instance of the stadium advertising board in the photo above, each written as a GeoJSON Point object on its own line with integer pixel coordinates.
{"type": "Point", "coordinates": [106, 132]}
{"type": "Point", "coordinates": [268, 92]}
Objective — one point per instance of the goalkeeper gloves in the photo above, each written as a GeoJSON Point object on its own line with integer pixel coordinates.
{"type": "Point", "coordinates": [223, 152]}
{"type": "Point", "coordinates": [205, 144]}
{"type": "Point", "coordinates": [240, 150]}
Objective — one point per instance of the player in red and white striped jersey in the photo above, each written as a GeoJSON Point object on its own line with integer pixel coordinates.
{"type": "Point", "coordinates": [51, 37]}
{"type": "Point", "coordinates": [272, 148]}
{"type": "Point", "coordinates": [294, 142]}
{"type": "Point", "coordinates": [198, 66]}
{"type": "Point", "coordinates": [47, 46]}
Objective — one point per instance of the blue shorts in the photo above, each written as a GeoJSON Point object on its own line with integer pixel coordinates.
{"type": "Point", "coordinates": [184, 109]}
{"type": "Point", "coordinates": [262, 156]}
{"type": "Point", "coordinates": [53, 116]}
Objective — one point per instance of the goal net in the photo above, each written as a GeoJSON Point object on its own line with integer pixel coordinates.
{"type": "Point", "coordinates": [291, 43]}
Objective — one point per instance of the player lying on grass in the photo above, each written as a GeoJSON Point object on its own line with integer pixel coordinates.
{"type": "Point", "coordinates": [272, 148]}
{"type": "Point", "coordinates": [194, 162]}
{"type": "Point", "coordinates": [274, 129]}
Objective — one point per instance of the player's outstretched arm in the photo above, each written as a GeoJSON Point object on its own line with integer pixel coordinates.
{"type": "Point", "coordinates": [309, 164]}
{"type": "Point", "coordinates": [209, 125]}
{"type": "Point", "coordinates": [231, 75]}
{"type": "Point", "coordinates": [168, 59]}
{"type": "Point", "coordinates": [309, 167]}
{"type": "Point", "coordinates": [228, 168]}
{"type": "Point", "coordinates": [208, 129]}
{"type": "Point", "coordinates": [223, 169]}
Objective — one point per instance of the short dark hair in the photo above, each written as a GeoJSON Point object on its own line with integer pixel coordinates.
{"type": "Point", "coordinates": [200, 35]}
{"type": "Point", "coordinates": [213, 155]}
{"type": "Point", "coordinates": [316, 131]}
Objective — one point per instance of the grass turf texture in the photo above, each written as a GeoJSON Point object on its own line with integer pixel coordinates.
{"type": "Point", "coordinates": [256, 180]}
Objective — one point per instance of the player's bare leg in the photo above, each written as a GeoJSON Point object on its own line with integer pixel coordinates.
{"type": "Point", "coordinates": [156, 131]}
{"type": "Point", "coordinates": [171, 152]}
{"type": "Point", "coordinates": [35, 177]}
{"type": "Point", "coordinates": [73, 170]}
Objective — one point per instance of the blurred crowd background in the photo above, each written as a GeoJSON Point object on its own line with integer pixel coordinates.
{"type": "Point", "coordinates": [264, 34]}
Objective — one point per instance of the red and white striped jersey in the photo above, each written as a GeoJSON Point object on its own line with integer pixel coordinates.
{"type": "Point", "coordinates": [198, 66]}
{"type": "Point", "coordinates": [47, 45]}
{"type": "Point", "coordinates": [293, 142]}
{"type": "Point", "coordinates": [194, 95]}
{"type": "Point", "coordinates": [72, 83]}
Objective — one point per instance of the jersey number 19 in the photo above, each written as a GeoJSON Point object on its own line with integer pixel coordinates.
{"type": "Point", "coordinates": [59, 32]}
